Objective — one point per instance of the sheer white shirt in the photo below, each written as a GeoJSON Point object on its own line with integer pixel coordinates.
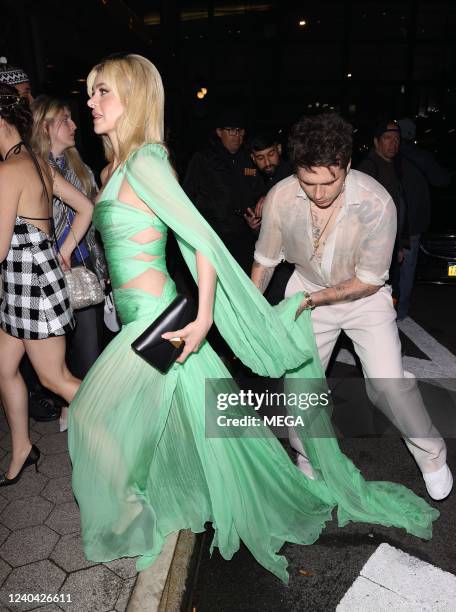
{"type": "Point", "coordinates": [359, 244]}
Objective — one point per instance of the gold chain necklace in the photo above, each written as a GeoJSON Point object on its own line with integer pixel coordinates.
{"type": "Point", "coordinates": [316, 239]}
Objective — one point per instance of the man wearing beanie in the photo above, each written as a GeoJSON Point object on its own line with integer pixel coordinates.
{"type": "Point", "coordinates": [18, 78]}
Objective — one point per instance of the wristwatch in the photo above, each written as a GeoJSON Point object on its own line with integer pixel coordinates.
{"type": "Point", "coordinates": [308, 304]}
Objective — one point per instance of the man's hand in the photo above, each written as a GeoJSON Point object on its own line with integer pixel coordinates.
{"type": "Point", "coordinates": [252, 220]}
{"type": "Point", "coordinates": [259, 207]}
{"type": "Point", "coordinates": [400, 256]}
{"type": "Point", "coordinates": [302, 306]}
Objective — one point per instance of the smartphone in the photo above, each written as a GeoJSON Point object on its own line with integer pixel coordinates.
{"type": "Point", "coordinates": [239, 212]}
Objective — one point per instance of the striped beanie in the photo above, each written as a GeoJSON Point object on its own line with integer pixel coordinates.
{"type": "Point", "coordinates": [10, 74]}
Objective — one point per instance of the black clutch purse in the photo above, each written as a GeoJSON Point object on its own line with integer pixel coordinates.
{"type": "Point", "coordinates": [160, 353]}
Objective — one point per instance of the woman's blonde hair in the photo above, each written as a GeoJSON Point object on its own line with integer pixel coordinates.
{"type": "Point", "coordinates": [138, 85]}
{"type": "Point", "coordinates": [45, 111]}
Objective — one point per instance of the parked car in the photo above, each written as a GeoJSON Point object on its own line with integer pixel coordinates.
{"type": "Point", "coordinates": [437, 258]}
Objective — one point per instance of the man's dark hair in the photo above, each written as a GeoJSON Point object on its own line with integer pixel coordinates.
{"type": "Point", "coordinates": [262, 140]}
{"type": "Point", "coordinates": [321, 140]}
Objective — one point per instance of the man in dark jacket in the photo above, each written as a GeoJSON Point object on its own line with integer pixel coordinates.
{"type": "Point", "coordinates": [406, 172]}
{"type": "Point", "coordinates": [385, 165]}
{"type": "Point", "coordinates": [222, 182]}
{"type": "Point", "coordinates": [426, 171]}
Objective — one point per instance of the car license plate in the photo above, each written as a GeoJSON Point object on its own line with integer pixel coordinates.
{"type": "Point", "coordinates": [451, 269]}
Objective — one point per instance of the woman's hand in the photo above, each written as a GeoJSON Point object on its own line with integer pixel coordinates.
{"type": "Point", "coordinates": [64, 260]}
{"type": "Point", "coordinates": [192, 334]}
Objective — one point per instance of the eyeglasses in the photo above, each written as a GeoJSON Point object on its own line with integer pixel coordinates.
{"type": "Point", "coordinates": [234, 131]}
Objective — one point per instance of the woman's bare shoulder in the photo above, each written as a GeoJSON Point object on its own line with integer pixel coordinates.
{"type": "Point", "coordinates": [15, 170]}
{"type": "Point", "coordinates": [104, 174]}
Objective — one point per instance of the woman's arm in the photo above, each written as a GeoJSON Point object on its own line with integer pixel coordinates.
{"type": "Point", "coordinates": [83, 208]}
{"type": "Point", "coordinates": [195, 332]}
{"type": "Point", "coordinates": [206, 289]}
{"type": "Point", "coordinates": [10, 192]}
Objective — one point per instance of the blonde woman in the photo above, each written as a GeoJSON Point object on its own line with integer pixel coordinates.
{"type": "Point", "coordinates": [35, 313]}
{"type": "Point", "coordinates": [53, 137]}
{"type": "Point", "coordinates": [142, 464]}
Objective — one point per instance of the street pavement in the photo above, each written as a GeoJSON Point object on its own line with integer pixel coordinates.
{"type": "Point", "coordinates": [42, 565]}
{"type": "Point", "coordinates": [358, 567]}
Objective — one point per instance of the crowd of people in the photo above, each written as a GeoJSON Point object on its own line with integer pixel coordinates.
{"type": "Point", "coordinates": [317, 237]}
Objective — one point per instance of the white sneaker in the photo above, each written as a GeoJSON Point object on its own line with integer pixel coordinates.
{"type": "Point", "coordinates": [439, 483]}
{"type": "Point", "coordinates": [304, 466]}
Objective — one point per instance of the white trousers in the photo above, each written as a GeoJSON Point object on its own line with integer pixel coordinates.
{"type": "Point", "coordinates": [370, 323]}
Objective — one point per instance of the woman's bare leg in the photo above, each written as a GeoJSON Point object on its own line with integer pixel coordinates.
{"type": "Point", "coordinates": [15, 400]}
{"type": "Point", "coordinates": [48, 360]}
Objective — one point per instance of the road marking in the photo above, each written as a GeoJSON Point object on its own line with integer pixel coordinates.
{"type": "Point", "coordinates": [344, 356]}
{"type": "Point", "coordinates": [393, 580]}
{"type": "Point", "coordinates": [441, 363]}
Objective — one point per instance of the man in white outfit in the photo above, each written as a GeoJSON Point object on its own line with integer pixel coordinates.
{"type": "Point", "coordinates": [338, 227]}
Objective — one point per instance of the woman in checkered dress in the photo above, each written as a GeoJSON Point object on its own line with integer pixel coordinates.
{"type": "Point", "coordinates": [34, 313]}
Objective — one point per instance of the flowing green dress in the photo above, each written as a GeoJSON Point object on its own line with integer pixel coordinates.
{"type": "Point", "coordinates": [143, 466]}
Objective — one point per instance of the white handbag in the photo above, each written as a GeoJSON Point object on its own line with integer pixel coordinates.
{"type": "Point", "coordinates": [111, 319]}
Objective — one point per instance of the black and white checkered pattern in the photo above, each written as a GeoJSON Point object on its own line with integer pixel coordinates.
{"type": "Point", "coordinates": [35, 301]}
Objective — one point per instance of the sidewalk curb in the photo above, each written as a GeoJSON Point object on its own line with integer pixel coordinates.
{"type": "Point", "coordinates": [160, 587]}
{"type": "Point", "coordinates": [176, 582]}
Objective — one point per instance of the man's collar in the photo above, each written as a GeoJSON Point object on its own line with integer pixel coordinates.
{"type": "Point", "coordinates": [378, 157]}
{"type": "Point", "coordinates": [351, 190]}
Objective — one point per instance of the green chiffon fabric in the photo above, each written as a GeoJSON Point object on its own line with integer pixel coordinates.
{"type": "Point", "coordinates": [143, 466]}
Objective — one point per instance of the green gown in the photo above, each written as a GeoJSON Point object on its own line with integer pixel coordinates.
{"type": "Point", "coordinates": [143, 466]}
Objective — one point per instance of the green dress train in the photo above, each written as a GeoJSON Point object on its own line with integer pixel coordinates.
{"type": "Point", "coordinates": [143, 466]}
